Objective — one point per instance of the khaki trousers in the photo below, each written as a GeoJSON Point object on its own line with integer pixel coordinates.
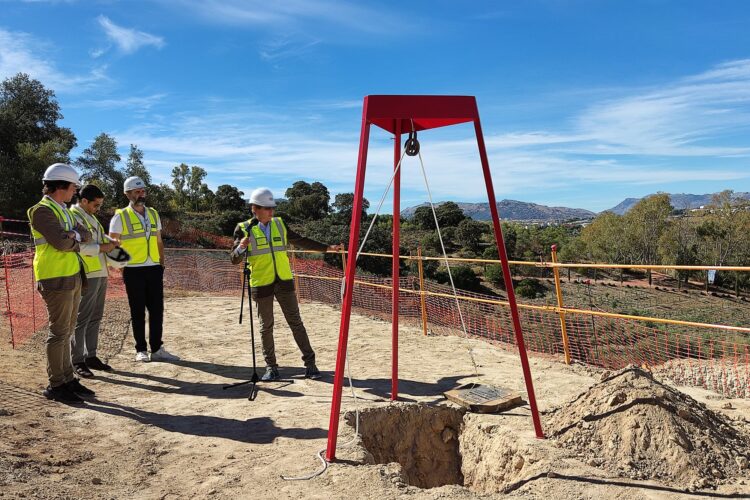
{"type": "Point", "coordinates": [90, 314]}
{"type": "Point", "coordinates": [62, 309]}
{"type": "Point", "coordinates": [284, 293]}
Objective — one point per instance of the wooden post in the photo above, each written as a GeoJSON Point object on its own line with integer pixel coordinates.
{"type": "Point", "coordinates": [421, 290]}
{"type": "Point", "coordinates": [296, 279]}
{"type": "Point", "coordinates": [558, 291]}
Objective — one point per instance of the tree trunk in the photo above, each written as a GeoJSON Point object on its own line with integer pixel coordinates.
{"type": "Point", "coordinates": [649, 277]}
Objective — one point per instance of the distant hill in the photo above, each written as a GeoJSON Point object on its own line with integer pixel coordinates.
{"type": "Point", "coordinates": [679, 201]}
{"type": "Point", "coordinates": [515, 210]}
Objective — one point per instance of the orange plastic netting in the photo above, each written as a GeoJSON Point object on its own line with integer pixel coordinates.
{"type": "Point", "coordinates": [715, 359]}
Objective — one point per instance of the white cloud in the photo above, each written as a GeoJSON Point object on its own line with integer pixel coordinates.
{"type": "Point", "coordinates": [681, 119]}
{"type": "Point", "coordinates": [644, 140]}
{"type": "Point", "coordinates": [21, 53]}
{"type": "Point", "coordinates": [143, 103]}
{"type": "Point", "coordinates": [294, 13]}
{"type": "Point", "coordinates": [128, 40]}
{"type": "Point", "coordinates": [286, 47]}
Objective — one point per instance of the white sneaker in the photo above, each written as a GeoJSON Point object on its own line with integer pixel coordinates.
{"type": "Point", "coordinates": [142, 356]}
{"type": "Point", "coordinates": [163, 355]}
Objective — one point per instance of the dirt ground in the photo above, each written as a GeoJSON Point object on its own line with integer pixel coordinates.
{"type": "Point", "coordinates": [164, 431]}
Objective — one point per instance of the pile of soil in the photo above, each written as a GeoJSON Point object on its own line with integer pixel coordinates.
{"type": "Point", "coordinates": [637, 427]}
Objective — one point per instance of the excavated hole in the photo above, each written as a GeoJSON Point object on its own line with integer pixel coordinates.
{"type": "Point", "coordinates": [423, 439]}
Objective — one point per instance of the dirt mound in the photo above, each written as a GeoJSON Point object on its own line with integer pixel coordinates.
{"type": "Point", "coordinates": [634, 426]}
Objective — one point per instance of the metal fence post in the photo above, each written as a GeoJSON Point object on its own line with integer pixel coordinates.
{"type": "Point", "coordinates": [558, 292]}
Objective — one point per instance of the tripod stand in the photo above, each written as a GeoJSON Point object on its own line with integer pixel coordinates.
{"type": "Point", "coordinates": [246, 285]}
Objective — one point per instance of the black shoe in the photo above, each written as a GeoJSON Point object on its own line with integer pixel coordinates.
{"type": "Point", "coordinates": [82, 370]}
{"type": "Point", "coordinates": [272, 373]}
{"type": "Point", "coordinates": [76, 387]}
{"type": "Point", "coordinates": [312, 372]}
{"type": "Point", "coordinates": [62, 394]}
{"type": "Point", "coordinates": [95, 363]}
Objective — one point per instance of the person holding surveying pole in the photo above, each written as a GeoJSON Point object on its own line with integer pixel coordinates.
{"type": "Point", "coordinates": [261, 243]}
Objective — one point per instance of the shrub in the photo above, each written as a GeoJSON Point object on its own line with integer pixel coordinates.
{"type": "Point", "coordinates": [530, 288]}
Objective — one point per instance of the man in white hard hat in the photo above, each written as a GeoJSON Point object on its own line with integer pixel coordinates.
{"type": "Point", "coordinates": [138, 228]}
{"type": "Point", "coordinates": [261, 241]}
{"type": "Point", "coordinates": [58, 274]}
{"type": "Point", "coordinates": [93, 254]}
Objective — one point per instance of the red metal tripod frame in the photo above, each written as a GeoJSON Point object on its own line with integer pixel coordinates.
{"type": "Point", "coordinates": [395, 262]}
{"type": "Point", "coordinates": [398, 114]}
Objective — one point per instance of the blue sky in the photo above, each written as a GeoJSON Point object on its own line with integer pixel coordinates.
{"type": "Point", "coordinates": [583, 103]}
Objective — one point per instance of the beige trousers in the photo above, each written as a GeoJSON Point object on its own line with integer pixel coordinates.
{"type": "Point", "coordinates": [62, 308]}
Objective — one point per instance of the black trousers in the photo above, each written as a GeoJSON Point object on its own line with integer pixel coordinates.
{"type": "Point", "coordinates": [145, 288]}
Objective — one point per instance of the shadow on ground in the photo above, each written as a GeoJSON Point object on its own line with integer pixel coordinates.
{"type": "Point", "coordinates": [260, 430]}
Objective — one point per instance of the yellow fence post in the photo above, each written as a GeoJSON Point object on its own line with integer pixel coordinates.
{"type": "Point", "coordinates": [558, 291]}
{"type": "Point", "coordinates": [421, 290]}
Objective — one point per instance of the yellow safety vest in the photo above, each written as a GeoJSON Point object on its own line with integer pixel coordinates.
{"type": "Point", "coordinates": [90, 264]}
{"type": "Point", "coordinates": [267, 260]}
{"type": "Point", "coordinates": [49, 262]}
{"type": "Point", "coordinates": [134, 238]}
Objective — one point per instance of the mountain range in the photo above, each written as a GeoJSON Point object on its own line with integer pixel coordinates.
{"type": "Point", "coordinates": [679, 201]}
{"type": "Point", "coordinates": [515, 210]}
{"type": "Point", "coordinates": [525, 211]}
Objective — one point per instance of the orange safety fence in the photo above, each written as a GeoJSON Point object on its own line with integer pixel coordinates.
{"type": "Point", "coordinates": [711, 356]}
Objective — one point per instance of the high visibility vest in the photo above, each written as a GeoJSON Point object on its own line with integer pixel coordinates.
{"type": "Point", "coordinates": [90, 264]}
{"type": "Point", "coordinates": [134, 238]}
{"type": "Point", "coordinates": [49, 262]}
{"type": "Point", "coordinates": [267, 260]}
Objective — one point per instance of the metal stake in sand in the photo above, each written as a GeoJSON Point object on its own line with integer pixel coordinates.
{"type": "Point", "coordinates": [246, 284]}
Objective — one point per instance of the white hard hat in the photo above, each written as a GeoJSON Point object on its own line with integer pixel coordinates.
{"type": "Point", "coordinates": [262, 197]}
{"type": "Point", "coordinates": [133, 183]}
{"type": "Point", "coordinates": [118, 258]}
{"type": "Point", "coordinates": [61, 172]}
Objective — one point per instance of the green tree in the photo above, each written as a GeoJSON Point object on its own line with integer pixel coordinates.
{"type": "Point", "coordinates": [449, 214]}
{"type": "Point", "coordinates": [98, 164]}
{"type": "Point", "coordinates": [229, 198]}
{"type": "Point", "coordinates": [494, 274]}
{"type": "Point", "coordinates": [343, 205]}
{"type": "Point", "coordinates": [678, 245]}
{"type": "Point", "coordinates": [470, 233]}
{"type": "Point", "coordinates": [162, 198]}
{"type": "Point", "coordinates": [29, 113]}
{"type": "Point", "coordinates": [180, 175]}
{"type": "Point", "coordinates": [30, 141]}
{"type": "Point", "coordinates": [307, 201]}
{"type": "Point", "coordinates": [464, 277]}
{"type": "Point", "coordinates": [604, 239]}
{"type": "Point", "coordinates": [135, 165]}
{"type": "Point", "coordinates": [644, 225]}
{"type": "Point", "coordinates": [196, 189]}
{"type": "Point", "coordinates": [423, 218]}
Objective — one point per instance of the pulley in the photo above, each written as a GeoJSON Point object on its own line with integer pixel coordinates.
{"type": "Point", "coordinates": [411, 146]}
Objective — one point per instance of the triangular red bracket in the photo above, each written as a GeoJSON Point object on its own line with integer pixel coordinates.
{"type": "Point", "coordinates": [398, 114]}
